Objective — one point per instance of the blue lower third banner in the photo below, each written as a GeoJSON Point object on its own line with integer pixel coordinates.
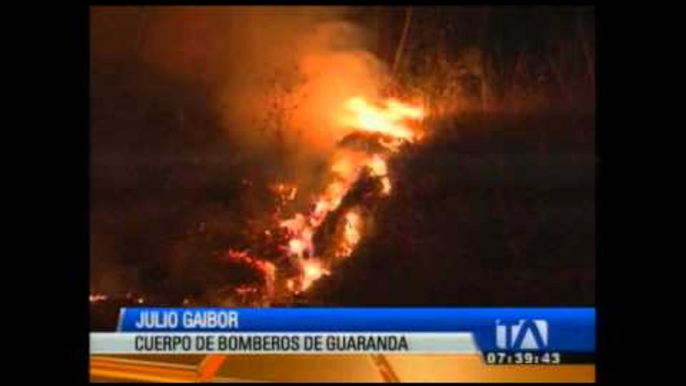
{"type": "Point", "coordinates": [339, 330]}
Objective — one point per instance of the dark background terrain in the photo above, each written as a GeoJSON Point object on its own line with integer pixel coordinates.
{"type": "Point", "coordinates": [495, 208]}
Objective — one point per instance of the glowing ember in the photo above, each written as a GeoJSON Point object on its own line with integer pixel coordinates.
{"type": "Point", "coordinates": [312, 271]}
{"type": "Point", "coordinates": [378, 168]}
{"type": "Point", "coordinates": [378, 165]}
{"type": "Point", "coordinates": [351, 234]}
{"type": "Point", "coordinates": [297, 247]}
{"type": "Point", "coordinates": [285, 191]}
{"type": "Point", "coordinates": [295, 224]}
{"type": "Point", "coordinates": [245, 290]}
{"type": "Point", "coordinates": [385, 186]}
{"type": "Point", "coordinates": [242, 257]}
{"type": "Point", "coordinates": [94, 298]}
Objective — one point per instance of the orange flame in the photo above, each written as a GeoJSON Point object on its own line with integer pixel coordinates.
{"type": "Point", "coordinates": [312, 271]}
{"type": "Point", "coordinates": [392, 119]}
{"type": "Point", "coordinates": [389, 120]}
{"type": "Point", "coordinates": [351, 234]}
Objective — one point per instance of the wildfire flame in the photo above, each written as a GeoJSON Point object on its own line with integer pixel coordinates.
{"type": "Point", "coordinates": [392, 120]}
{"type": "Point", "coordinates": [312, 271]}
{"type": "Point", "coordinates": [390, 124]}
{"type": "Point", "coordinates": [285, 191]}
{"type": "Point", "coordinates": [351, 234]}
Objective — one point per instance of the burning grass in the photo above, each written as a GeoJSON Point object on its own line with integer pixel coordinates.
{"type": "Point", "coordinates": [328, 232]}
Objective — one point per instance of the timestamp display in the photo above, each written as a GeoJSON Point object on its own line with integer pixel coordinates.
{"type": "Point", "coordinates": [522, 358]}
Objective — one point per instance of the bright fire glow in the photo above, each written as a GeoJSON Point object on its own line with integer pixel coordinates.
{"type": "Point", "coordinates": [351, 234]}
{"type": "Point", "coordinates": [392, 119]}
{"type": "Point", "coordinates": [312, 271]}
{"type": "Point", "coordinates": [378, 166]}
{"type": "Point", "coordinates": [389, 120]}
{"type": "Point", "coordinates": [297, 247]}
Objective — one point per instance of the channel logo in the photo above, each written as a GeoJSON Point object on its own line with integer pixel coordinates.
{"type": "Point", "coordinates": [522, 334]}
